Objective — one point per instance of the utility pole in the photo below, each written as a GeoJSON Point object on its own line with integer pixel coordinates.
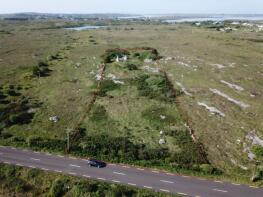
{"type": "Point", "coordinates": [68, 139]}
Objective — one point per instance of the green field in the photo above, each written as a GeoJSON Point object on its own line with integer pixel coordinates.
{"type": "Point", "coordinates": [47, 71]}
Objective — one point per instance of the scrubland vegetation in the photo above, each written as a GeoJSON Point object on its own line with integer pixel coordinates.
{"type": "Point", "coordinates": [123, 112]}
{"type": "Point", "coordinates": [15, 181]}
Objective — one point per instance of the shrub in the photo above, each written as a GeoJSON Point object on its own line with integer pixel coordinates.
{"type": "Point", "coordinates": [98, 113]}
{"type": "Point", "coordinates": [206, 168]}
{"type": "Point", "coordinates": [106, 86]}
{"type": "Point", "coordinates": [45, 143]}
{"type": "Point", "coordinates": [21, 118]}
{"type": "Point", "coordinates": [154, 86]}
{"type": "Point", "coordinates": [131, 66]}
{"type": "Point", "coordinates": [258, 151]}
{"type": "Point", "coordinates": [58, 188]}
{"type": "Point", "coordinates": [111, 54]}
{"type": "Point", "coordinates": [41, 70]}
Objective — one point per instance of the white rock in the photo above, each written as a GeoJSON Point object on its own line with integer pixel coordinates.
{"type": "Point", "coordinates": [148, 61]}
{"type": "Point", "coordinates": [239, 103]}
{"type": "Point", "coordinates": [183, 89]}
{"type": "Point", "coordinates": [54, 119]}
{"type": "Point", "coordinates": [233, 86]}
{"type": "Point", "coordinates": [219, 66]}
{"type": "Point", "coordinates": [162, 117]}
{"type": "Point", "coordinates": [213, 110]}
{"type": "Point", "coordinates": [162, 141]}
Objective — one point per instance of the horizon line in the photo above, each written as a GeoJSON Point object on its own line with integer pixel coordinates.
{"type": "Point", "coordinates": [138, 14]}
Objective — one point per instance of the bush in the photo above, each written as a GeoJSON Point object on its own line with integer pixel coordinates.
{"type": "Point", "coordinates": [106, 86]}
{"type": "Point", "coordinates": [131, 66]}
{"type": "Point", "coordinates": [21, 118]}
{"type": "Point", "coordinates": [98, 113]}
{"type": "Point", "coordinates": [58, 188]}
{"type": "Point", "coordinates": [41, 70]}
{"type": "Point", "coordinates": [46, 144]}
{"type": "Point", "coordinates": [258, 151]}
{"type": "Point", "coordinates": [154, 87]}
{"type": "Point", "coordinates": [111, 54]}
{"type": "Point", "coordinates": [206, 168]}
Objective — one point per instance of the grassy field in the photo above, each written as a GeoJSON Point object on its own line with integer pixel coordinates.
{"type": "Point", "coordinates": [212, 68]}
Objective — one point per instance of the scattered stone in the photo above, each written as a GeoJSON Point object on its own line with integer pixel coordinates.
{"type": "Point", "coordinates": [254, 139]}
{"type": "Point", "coordinates": [148, 61]}
{"type": "Point", "coordinates": [241, 104]}
{"type": "Point", "coordinates": [219, 66]}
{"type": "Point", "coordinates": [162, 117]}
{"type": "Point", "coordinates": [31, 110]}
{"type": "Point", "coordinates": [233, 86]}
{"type": "Point", "coordinates": [213, 110]}
{"type": "Point", "coordinates": [150, 69]}
{"type": "Point", "coordinates": [54, 119]}
{"type": "Point", "coordinates": [184, 89]}
{"type": "Point", "coordinates": [77, 65]}
{"type": "Point", "coordinates": [162, 141]}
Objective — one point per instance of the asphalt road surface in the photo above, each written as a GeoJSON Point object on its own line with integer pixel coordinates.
{"type": "Point", "coordinates": [121, 174]}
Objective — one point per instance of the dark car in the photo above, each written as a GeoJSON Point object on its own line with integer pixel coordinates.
{"type": "Point", "coordinates": [96, 163]}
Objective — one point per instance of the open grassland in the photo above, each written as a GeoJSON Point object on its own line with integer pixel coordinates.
{"type": "Point", "coordinates": [212, 68]}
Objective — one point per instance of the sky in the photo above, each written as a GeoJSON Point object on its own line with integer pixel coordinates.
{"type": "Point", "coordinates": [134, 6]}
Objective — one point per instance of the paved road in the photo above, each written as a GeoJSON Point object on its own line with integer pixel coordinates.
{"type": "Point", "coordinates": [139, 177]}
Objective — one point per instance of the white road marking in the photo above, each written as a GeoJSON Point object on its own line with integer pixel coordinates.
{"type": "Point", "coordinates": [13, 148]}
{"type": "Point", "coordinates": [148, 187]}
{"type": "Point", "coordinates": [219, 181]}
{"type": "Point", "coordinates": [169, 174]}
{"type": "Point", "coordinates": [36, 152]}
{"type": "Point", "coordinates": [18, 164]}
{"type": "Point", "coordinates": [119, 173]}
{"type": "Point", "coordinates": [6, 162]}
{"type": "Point", "coordinates": [180, 193]}
{"type": "Point", "coordinates": [60, 156]}
{"type": "Point", "coordinates": [164, 190]}
{"type": "Point", "coordinates": [235, 184]}
{"type": "Point", "coordinates": [115, 181]}
{"type": "Point", "coordinates": [253, 186]}
{"type": "Point", "coordinates": [133, 184]}
{"type": "Point", "coordinates": [35, 159]}
{"type": "Point", "coordinates": [140, 169]}
{"type": "Point", "coordinates": [45, 169]}
{"type": "Point", "coordinates": [102, 179]}
{"type": "Point", "coordinates": [111, 164]}
{"type": "Point", "coordinates": [126, 167]}
{"type": "Point", "coordinates": [219, 190]}
{"type": "Point", "coordinates": [87, 176]}
{"type": "Point", "coordinates": [72, 157]}
{"type": "Point", "coordinates": [59, 171]}
{"type": "Point", "coordinates": [76, 166]}
{"type": "Point", "coordinates": [72, 173]}
{"type": "Point", "coordinates": [186, 176]}
{"type": "Point", "coordinates": [48, 154]}
{"type": "Point", "coordinates": [154, 171]}
{"type": "Point", "coordinates": [31, 166]}
{"type": "Point", "coordinates": [166, 181]}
